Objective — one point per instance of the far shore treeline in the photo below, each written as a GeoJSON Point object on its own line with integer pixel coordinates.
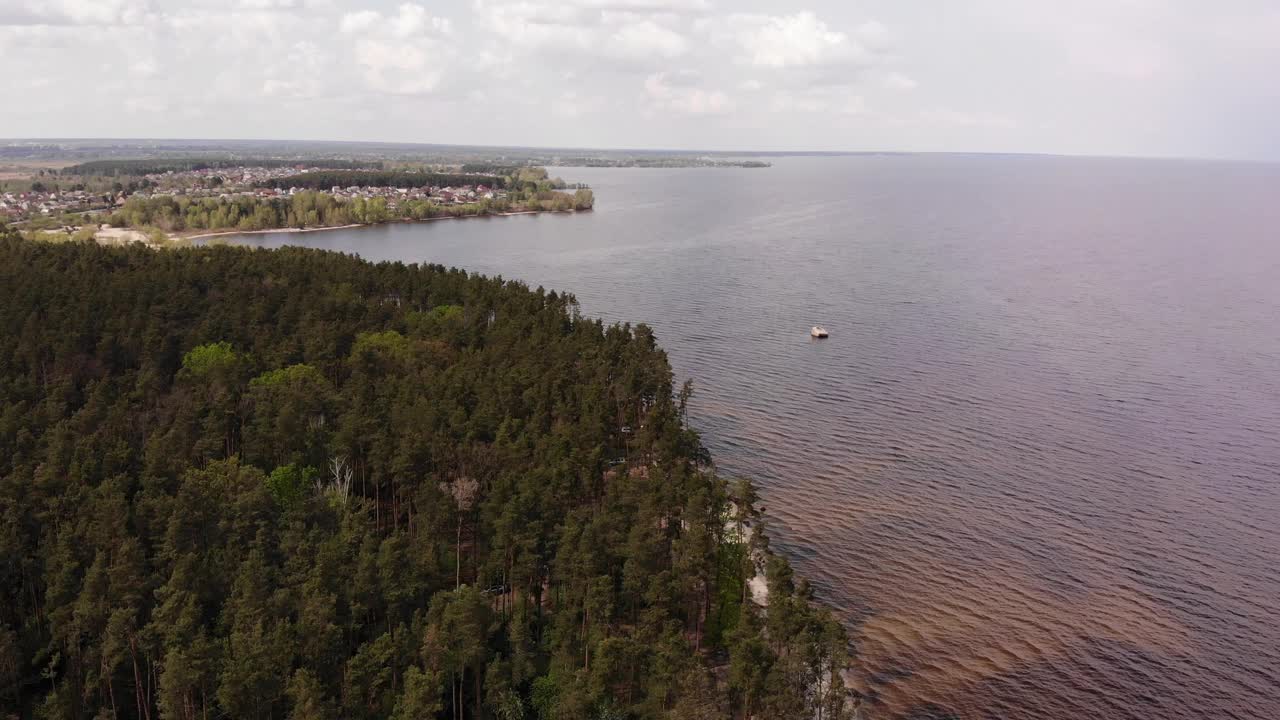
{"type": "Point", "coordinates": [152, 166]}
{"type": "Point", "coordinates": [314, 209]}
{"type": "Point", "coordinates": [259, 484]}
{"type": "Point", "coordinates": [326, 179]}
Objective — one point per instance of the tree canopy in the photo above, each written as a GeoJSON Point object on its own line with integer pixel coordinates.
{"type": "Point", "coordinates": [294, 484]}
{"type": "Point", "coordinates": [312, 209]}
{"type": "Point", "coordinates": [149, 166]}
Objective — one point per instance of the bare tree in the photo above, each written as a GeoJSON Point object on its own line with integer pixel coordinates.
{"type": "Point", "coordinates": [338, 486]}
{"type": "Point", "coordinates": [464, 491]}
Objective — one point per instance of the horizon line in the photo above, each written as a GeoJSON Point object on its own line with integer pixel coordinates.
{"type": "Point", "coordinates": [650, 150]}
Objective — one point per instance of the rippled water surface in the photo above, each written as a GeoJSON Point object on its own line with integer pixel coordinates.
{"type": "Point", "coordinates": [1036, 467]}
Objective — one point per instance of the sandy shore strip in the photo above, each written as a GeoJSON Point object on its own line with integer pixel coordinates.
{"type": "Point", "coordinates": [180, 236]}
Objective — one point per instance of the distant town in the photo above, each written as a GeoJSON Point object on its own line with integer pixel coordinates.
{"type": "Point", "coordinates": [161, 200]}
{"type": "Point", "coordinates": [161, 191]}
{"type": "Point", "coordinates": [46, 198]}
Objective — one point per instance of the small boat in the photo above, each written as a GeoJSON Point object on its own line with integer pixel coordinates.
{"type": "Point", "coordinates": [818, 331]}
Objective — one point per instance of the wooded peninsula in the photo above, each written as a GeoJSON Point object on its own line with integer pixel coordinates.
{"type": "Point", "coordinates": [290, 483]}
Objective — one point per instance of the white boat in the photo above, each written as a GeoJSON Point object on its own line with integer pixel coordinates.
{"type": "Point", "coordinates": [818, 331]}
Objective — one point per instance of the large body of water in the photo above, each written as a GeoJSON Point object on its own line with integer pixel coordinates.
{"type": "Point", "coordinates": [1036, 467]}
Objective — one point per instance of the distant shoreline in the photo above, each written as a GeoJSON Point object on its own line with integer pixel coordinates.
{"type": "Point", "coordinates": [270, 231]}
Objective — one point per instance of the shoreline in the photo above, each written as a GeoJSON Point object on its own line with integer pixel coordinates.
{"type": "Point", "coordinates": [269, 231]}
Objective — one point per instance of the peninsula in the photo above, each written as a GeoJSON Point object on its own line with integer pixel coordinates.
{"type": "Point", "coordinates": [294, 484]}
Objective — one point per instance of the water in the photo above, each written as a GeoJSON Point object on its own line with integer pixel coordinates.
{"type": "Point", "coordinates": [1036, 467]}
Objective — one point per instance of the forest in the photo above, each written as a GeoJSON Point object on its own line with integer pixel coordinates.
{"type": "Point", "coordinates": [150, 166]}
{"type": "Point", "coordinates": [489, 168]}
{"type": "Point", "coordinates": [324, 180]}
{"type": "Point", "coordinates": [311, 208]}
{"type": "Point", "coordinates": [241, 483]}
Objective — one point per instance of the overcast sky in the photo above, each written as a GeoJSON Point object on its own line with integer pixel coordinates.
{"type": "Point", "coordinates": [1117, 77]}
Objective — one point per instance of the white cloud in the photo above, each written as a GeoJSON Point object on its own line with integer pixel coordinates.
{"type": "Point", "coordinates": [784, 41]}
{"type": "Point", "coordinates": [572, 105]}
{"type": "Point", "coordinates": [873, 34]}
{"type": "Point", "coordinates": [269, 4]}
{"type": "Point", "coordinates": [639, 35]}
{"type": "Point", "coordinates": [299, 75]}
{"type": "Point", "coordinates": [358, 22]}
{"type": "Point", "coordinates": [898, 81]}
{"type": "Point", "coordinates": [535, 24]}
{"type": "Point", "coordinates": [409, 20]}
{"type": "Point", "coordinates": [408, 52]}
{"type": "Point", "coordinates": [1115, 76]}
{"type": "Point", "coordinates": [645, 6]}
{"type": "Point", "coordinates": [646, 39]}
{"type": "Point", "coordinates": [413, 19]}
{"type": "Point", "coordinates": [145, 104]}
{"type": "Point", "coordinates": [680, 92]}
{"type": "Point", "coordinates": [144, 67]}
{"type": "Point", "coordinates": [72, 12]}
{"type": "Point", "coordinates": [569, 58]}
{"type": "Point", "coordinates": [818, 99]}
{"type": "Point", "coordinates": [398, 68]}
{"type": "Point", "coordinates": [946, 117]}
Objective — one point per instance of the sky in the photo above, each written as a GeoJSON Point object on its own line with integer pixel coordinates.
{"type": "Point", "coordinates": [1181, 78]}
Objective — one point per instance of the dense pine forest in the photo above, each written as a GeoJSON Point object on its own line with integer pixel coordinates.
{"type": "Point", "coordinates": [243, 483]}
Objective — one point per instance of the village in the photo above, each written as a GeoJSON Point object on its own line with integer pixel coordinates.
{"type": "Point", "coordinates": [447, 195]}
{"type": "Point", "coordinates": [46, 199]}
{"type": "Point", "coordinates": [17, 206]}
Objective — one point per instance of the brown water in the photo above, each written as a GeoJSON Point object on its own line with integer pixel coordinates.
{"type": "Point", "coordinates": [1036, 466]}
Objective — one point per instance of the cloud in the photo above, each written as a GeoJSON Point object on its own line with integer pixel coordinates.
{"type": "Point", "coordinates": [572, 105]}
{"type": "Point", "coordinates": [898, 81]}
{"type": "Point", "coordinates": [72, 12]}
{"type": "Point", "coordinates": [397, 68]}
{"type": "Point", "coordinates": [646, 39]}
{"type": "Point", "coordinates": [358, 22]}
{"type": "Point", "coordinates": [646, 6]}
{"type": "Point", "coordinates": [819, 99]}
{"type": "Point", "coordinates": [300, 74]}
{"type": "Point", "coordinates": [681, 92]}
{"type": "Point", "coordinates": [409, 20]}
{"type": "Point", "coordinates": [413, 19]}
{"type": "Point", "coordinates": [561, 58]}
{"type": "Point", "coordinates": [269, 4]}
{"type": "Point", "coordinates": [788, 41]}
{"type": "Point", "coordinates": [144, 67]}
{"type": "Point", "coordinates": [405, 53]}
{"type": "Point", "coordinates": [145, 105]}
{"type": "Point", "coordinates": [946, 117]}
{"type": "Point", "coordinates": [628, 34]}
{"type": "Point", "coordinates": [1114, 76]}
{"type": "Point", "coordinates": [532, 25]}
{"type": "Point", "coordinates": [874, 35]}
